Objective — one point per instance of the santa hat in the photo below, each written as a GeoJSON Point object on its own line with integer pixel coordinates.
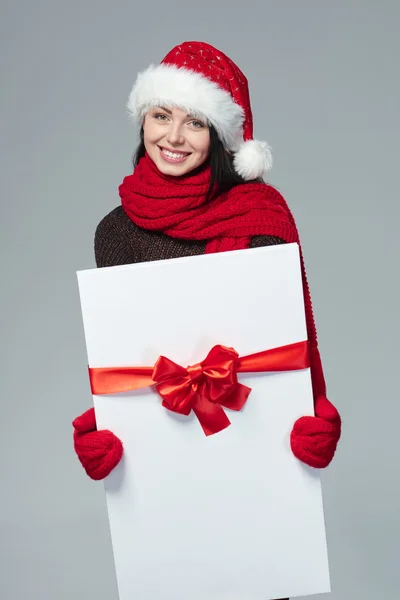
{"type": "Point", "coordinates": [203, 81]}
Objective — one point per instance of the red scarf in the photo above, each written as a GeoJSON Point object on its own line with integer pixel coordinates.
{"type": "Point", "coordinates": [176, 206]}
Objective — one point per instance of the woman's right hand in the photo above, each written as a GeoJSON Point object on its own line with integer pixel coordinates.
{"type": "Point", "coordinates": [98, 451]}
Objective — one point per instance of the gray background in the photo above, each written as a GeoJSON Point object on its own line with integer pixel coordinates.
{"type": "Point", "coordinates": [325, 92]}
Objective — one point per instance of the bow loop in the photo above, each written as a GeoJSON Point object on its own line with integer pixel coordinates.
{"type": "Point", "coordinates": [174, 385]}
{"type": "Point", "coordinates": [220, 376]}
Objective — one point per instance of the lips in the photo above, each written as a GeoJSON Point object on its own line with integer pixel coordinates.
{"type": "Point", "coordinates": [173, 156]}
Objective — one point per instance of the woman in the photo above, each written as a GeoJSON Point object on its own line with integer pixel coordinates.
{"type": "Point", "coordinates": [197, 188]}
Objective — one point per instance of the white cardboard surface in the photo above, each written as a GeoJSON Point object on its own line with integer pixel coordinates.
{"type": "Point", "coordinates": [233, 516]}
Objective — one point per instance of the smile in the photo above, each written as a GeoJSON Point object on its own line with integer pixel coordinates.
{"type": "Point", "coordinates": [173, 157]}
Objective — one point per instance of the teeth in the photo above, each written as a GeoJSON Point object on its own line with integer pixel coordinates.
{"type": "Point", "coordinates": [173, 154]}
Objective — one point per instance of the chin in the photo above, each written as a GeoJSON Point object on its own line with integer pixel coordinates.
{"type": "Point", "coordinates": [175, 170]}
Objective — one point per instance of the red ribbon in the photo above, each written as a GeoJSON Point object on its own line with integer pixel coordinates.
{"type": "Point", "coordinates": [206, 387]}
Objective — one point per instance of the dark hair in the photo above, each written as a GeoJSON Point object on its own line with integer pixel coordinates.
{"type": "Point", "coordinates": [223, 174]}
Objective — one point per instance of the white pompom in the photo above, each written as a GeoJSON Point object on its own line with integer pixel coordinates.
{"type": "Point", "coordinates": [253, 159]}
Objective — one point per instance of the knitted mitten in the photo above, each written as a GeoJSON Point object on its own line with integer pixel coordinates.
{"type": "Point", "coordinates": [314, 439]}
{"type": "Point", "coordinates": [98, 451]}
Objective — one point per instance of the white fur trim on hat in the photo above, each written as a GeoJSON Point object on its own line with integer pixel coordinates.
{"type": "Point", "coordinates": [167, 85]}
{"type": "Point", "coordinates": [253, 159]}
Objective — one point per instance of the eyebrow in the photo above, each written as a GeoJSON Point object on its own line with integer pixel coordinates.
{"type": "Point", "coordinates": [167, 110]}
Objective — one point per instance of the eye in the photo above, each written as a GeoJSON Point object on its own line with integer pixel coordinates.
{"type": "Point", "coordinates": [197, 124]}
{"type": "Point", "coordinates": [160, 117]}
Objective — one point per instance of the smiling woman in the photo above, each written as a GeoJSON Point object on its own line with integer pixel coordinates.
{"type": "Point", "coordinates": [198, 187]}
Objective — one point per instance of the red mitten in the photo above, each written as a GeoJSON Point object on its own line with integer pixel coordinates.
{"type": "Point", "coordinates": [314, 439]}
{"type": "Point", "coordinates": [98, 451]}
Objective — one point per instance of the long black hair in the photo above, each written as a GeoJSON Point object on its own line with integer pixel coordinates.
{"type": "Point", "coordinates": [223, 175]}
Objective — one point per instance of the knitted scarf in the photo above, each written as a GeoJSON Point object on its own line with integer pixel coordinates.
{"type": "Point", "coordinates": [177, 207]}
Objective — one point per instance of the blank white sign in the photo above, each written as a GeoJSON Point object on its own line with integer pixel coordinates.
{"type": "Point", "coordinates": [232, 516]}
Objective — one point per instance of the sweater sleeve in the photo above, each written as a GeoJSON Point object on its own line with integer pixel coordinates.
{"type": "Point", "coordinates": [265, 240]}
{"type": "Point", "coordinates": [113, 244]}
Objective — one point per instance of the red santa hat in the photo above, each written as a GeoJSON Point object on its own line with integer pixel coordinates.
{"type": "Point", "coordinates": [206, 83]}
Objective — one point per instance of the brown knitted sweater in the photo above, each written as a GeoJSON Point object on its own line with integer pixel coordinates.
{"type": "Point", "coordinates": [118, 241]}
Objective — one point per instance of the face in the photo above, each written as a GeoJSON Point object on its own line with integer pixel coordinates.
{"type": "Point", "coordinates": [175, 141]}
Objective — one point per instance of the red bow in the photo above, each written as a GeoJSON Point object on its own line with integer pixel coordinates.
{"type": "Point", "coordinates": [205, 387]}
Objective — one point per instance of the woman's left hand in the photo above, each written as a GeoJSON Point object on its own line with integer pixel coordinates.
{"type": "Point", "coordinates": [314, 439]}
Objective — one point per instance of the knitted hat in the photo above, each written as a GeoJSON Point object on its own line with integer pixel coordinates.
{"type": "Point", "coordinates": [203, 81]}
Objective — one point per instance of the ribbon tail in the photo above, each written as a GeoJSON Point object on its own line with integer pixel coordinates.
{"type": "Point", "coordinates": [284, 358]}
{"type": "Point", "coordinates": [211, 416]}
{"type": "Point", "coordinates": [238, 398]}
{"type": "Point", "coordinates": [112, 380]}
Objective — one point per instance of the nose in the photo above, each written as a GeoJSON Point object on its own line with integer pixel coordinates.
{"type": "Point", "coordinates": [175, 136]}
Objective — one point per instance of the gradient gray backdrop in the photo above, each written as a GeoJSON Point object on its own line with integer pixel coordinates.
{"type": "Point", "coordinates": [324, 79]}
